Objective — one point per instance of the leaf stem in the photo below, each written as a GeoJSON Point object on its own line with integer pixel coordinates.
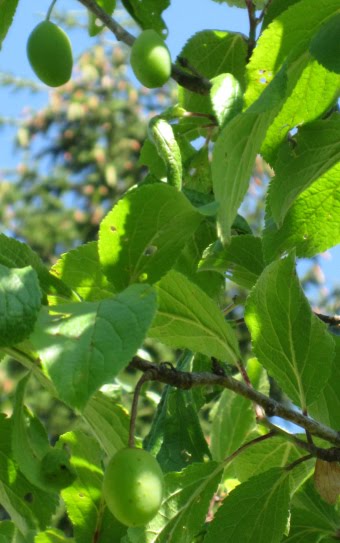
{"type": "Point", "coordinates": [147, 376]}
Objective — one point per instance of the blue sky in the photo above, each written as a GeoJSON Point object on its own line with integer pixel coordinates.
{"type": "Point", "coordinates": [184, 18]}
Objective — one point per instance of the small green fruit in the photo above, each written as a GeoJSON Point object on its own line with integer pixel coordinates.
{"type": "Point", "coordinates": [150, 59]}
{"type": "Point", "coordinates": [50, 54]}
{"type": "Point", "coordinates": [133, 486]}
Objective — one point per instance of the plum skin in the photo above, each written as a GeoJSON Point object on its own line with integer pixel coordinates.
{"type": "Point", "coordinates": [49, 52]}
{"type": "Point", "coordinates": [150, 59]}
{"type": "Point", "coordinates": [133, 486]}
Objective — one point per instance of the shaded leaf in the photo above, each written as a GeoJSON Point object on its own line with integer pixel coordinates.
{"type": "Point", "coordinates": [241, 261]}
{"type": "Point", "coordinates": [325, 46]}
{"type": "Point", "coordinates": [84, 345]}
{"type": "Point", "coordinates": [188, 318]}
{"type": "Point", "coordinates": [20, 302]}
{"type": "Point", "coordinates": [7, 12]}
{"type": "Point", "coordinates": [256, 511]}
{"type": "Point", "coordinates": [148, 14]}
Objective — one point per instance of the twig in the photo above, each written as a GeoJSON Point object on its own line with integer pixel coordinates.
{"type": "Point", "coordinates": [263, 12]}
{"type": "Point", "coordinates": [147, 376]}
{"type": "Point", "coordinates": [187, 380]}
{"type": "Point", "coordinates": [199, 85]}
{"type": "Point", "coordinates": [252, 26]}
{"type": "Point", "coordinates": [298, 461]}
{"type": "Point", "coordinates": [328, 319]}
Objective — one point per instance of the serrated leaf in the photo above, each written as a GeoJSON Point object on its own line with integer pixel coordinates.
{"type": "Point", "coordinates": [211, 53]}
{"type": "Point", "coordinates": [288, 339]}
{"type": "Point", "coordinates": [183, 511]}
{"type": "Point", "coordinates": [148, 14]}
{"type": "Point", "coordinates": [241, 261]}
{"type": "Point", "coordinates": [226, 97]}
{"type": "Point", "coordinates": [84, 345]}
{"type": "Point", "coordinates": [188, 318]}
{"type": "Point", "coordinates": [256, 511]}
{"type": "Point", "coordinates": [235, 152]}
{"type": "Point", "coordinates": [312, 224]}
{"type": "Point", "coordinates": [29, 507]}
{"type": "Point", "coordinates": [7, 12]}
{"type": "Point", "coordinates": [316, 152]}
{"type": "Point", "coordinates": [311, 91]}
{"type": "Point", "coordinates": [108, 421]}
{"type": "Point", "coordinates": [177, 445]}
{"type": "Point", "coordinates": [312, 519]}
{"type": "Point", "coordinates": [162, 136]}
{"type": "Point", "coordinates": [15, 254]}
{"type": "Point", "coordinates": [80, 270]}
{"type": "Point", "coordinates": [325, 46]}
{"type": "Point", "coordinates": [20, 302]}
{"type": "Point", "coordinates": [232, 421]}
{"type": "Point", "coordinates": [326, 408]}
{"type": "Point", "coordinates": [140, 239]}
{"type": "Point", "coordinates": [288, 35]}
{"type": "Point", "coordinates": [276, 452]}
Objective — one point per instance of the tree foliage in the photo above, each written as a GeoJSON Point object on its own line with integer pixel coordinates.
{"type": "Point", "coordinates": [154, 272]}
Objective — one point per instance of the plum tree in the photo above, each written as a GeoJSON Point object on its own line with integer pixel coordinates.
{"type": "Point", "coordinates": [150, 59]}
{"type": "Point", "coordinates": [133, 486]}
{"type": "Point", "coordinates": [49, 52]}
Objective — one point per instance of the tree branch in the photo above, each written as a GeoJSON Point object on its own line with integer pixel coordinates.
{"type": "Point", "coordinates": [187, 380]}
{"type": "Point", "coordinates": [194, 83]}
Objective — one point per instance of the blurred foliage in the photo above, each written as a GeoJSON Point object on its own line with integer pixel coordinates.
{"type": "Point", "coordinates": [78, 154]}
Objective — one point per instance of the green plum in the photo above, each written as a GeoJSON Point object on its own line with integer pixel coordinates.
{"type": "Point", "coordinates": [150, 59]}
{"type": "Point", "coordinates": [50, 54]}
{"type": "Point", "coordinates": [133, 486]}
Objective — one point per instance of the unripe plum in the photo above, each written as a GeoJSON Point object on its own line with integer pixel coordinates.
{"type": "Point", "coordinates": [150, 59]}
{"type": "Point", "coordinates": [133, 486]}
{"type": "Point", "coordinates": [50, 54]}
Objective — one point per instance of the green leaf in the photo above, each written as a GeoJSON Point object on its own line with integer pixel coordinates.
{"type": "Point", "coordinates": [235, 152]}
{"type": "Point", "coordinates": [141, 238]}
{"type": "Point", "coordinates": [109, 422]}
{"type": "Point", "coordinates": [288, 35]}
{"type": "Point", "coordinates": [211, 53]}
{"type": "Point", "coordinates": [256, 511]}
{"type": "Point", "coordinates": [188, 318]}
{"type": "Point", "coordinates": [209, 281]}
{"type": "Point", "coordinates": [275, 452]}
{"type": "Point", "coordinates": [15, 254]}
{"type": "Point", "coordinates": [162, 136]}
{"type": "Point", "coordinates": [28, 506]}
{"type": "Point", "coordinates": [177, 445]}
{"type": "Point", "coordinates": [53, 536]}
{"type": "Point", "coordinates": [317, 151]}
{"type": "Point", "coordinates": [93, 27]}
{"type": "Point", "coordinates": [148, 14]}
{"type": "Point", "coordinates": [183, 511]}
{"type": "Point", "coordinates": [226, 97]}
{"type": "Point", "coordinates": [326, 408]}
{"type": "Point", "coordinates": [311, 91]}
{"type": "Point", "coordinates": [82, 499]}
{"type": "Point", "coordinates": [80, 270]}
{"type": "Point", "coordinates": [20, 303]}
{"type": "Point", "coordinates": [274, 9]}
{"type": "Point", "coordinates": [84, 345]}
{"type": "Point", "coordinates": [288, 339]}
{"type": "Point", "coordinates": [7, 12]}
{"type": "Point", "coordinates": [241, 261]}
{"type": "Point", "coordinates": [325, 46]}
{"type": "Point", "coordinates": [232, 421]}
{"type": "Point", "coordinates": [312, 224]}
{"type": "Point", "coordinates": [312, 517]}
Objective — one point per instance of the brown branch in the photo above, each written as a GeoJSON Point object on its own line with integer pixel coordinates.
{"type": "Point", "coordinates": [328, 319]}
{"type": "Point", "coordinates": [187, 380]}
{"type": "Point", "coordinates": [194, 83]}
